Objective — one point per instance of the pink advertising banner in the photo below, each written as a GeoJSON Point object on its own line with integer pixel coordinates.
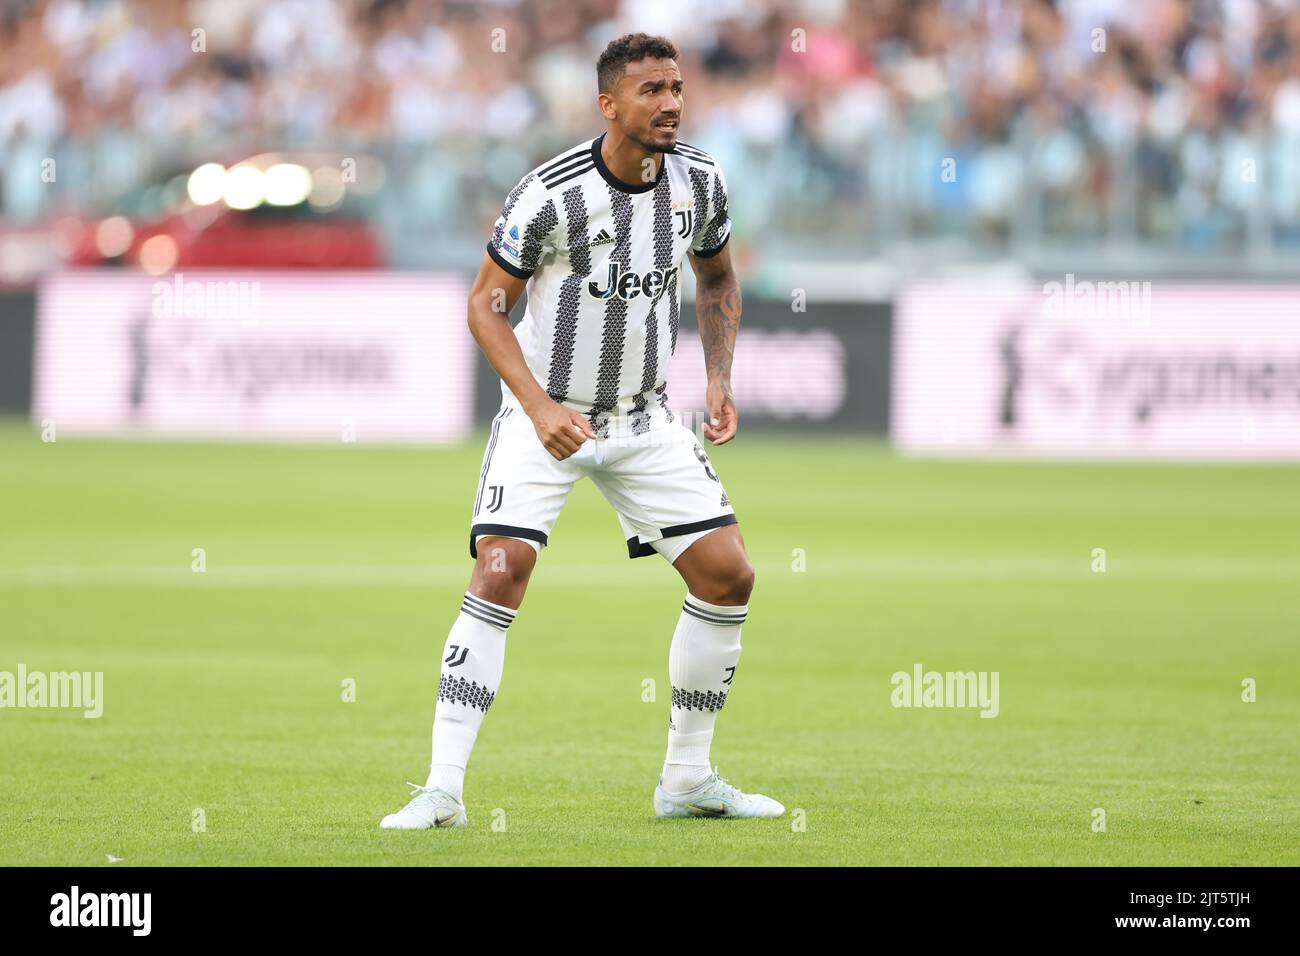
{"type": "Point", "coordinates": [245, 355]}
{"type": "Point", "coordinates": [1096, 369]}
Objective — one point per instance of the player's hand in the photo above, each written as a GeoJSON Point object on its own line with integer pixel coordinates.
{"type": "Point", "coordinates": [560, 430]}
{"type": "Point", "coordinates": [723, 420]}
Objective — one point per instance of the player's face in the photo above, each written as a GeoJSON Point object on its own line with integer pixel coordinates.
{"type": "Point", "coordinates": [649, 103]}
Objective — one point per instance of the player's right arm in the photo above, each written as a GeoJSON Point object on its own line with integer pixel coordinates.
{"type": "Point", "coordinates": [491, 298]}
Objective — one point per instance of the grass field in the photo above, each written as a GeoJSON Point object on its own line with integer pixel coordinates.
{"type": "Point", "coordinates": [223, 690]}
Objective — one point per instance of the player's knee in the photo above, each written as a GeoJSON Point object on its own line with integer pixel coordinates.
{"type": "Point", "coordinates": [744, 582]}
{"type": "Point", "coordinates": [734, 584]}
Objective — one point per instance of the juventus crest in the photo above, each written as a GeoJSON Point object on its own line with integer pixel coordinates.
{"type": "Point", "coordinates": [686, 218]}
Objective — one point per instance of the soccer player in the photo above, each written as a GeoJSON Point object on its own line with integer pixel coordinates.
{"type": "Point", "coordinates": [597, 235]}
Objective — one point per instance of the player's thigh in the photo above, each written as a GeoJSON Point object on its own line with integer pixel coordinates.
{"type": "Point", "coordinates": [520, 492]}
{"type": "Point", "coordinates": [502, 569]}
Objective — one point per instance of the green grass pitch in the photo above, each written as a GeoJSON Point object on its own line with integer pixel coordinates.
{"type": "Point", "coordinates": [1119, 691]}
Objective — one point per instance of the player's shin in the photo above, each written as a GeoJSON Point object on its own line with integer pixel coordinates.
{"type": "Point", "coordinates": [701, 664]}
{"type": "Point", "coordinates": [472, 662]}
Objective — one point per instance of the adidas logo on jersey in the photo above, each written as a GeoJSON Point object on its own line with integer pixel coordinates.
{"type": "Point", "coordinates": [628, 285]}
{"type": "Point", "coordinates": [602, 237]}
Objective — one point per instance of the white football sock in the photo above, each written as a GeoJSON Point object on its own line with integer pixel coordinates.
{"type": "Point", "coordinates": [472, 661]}
{"type": "Point", "coordinates": [701, 664]}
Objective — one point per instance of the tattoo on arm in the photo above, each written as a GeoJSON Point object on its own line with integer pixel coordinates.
{"type": "Point", "coordinates": [717, 307]}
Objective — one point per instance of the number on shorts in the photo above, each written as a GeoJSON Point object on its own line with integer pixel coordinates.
{"type": "Point", "coordinates": [704, 460]}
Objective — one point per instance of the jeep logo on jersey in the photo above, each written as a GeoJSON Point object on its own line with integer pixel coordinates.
{"type": "Point", "coordinates": [628, 285]}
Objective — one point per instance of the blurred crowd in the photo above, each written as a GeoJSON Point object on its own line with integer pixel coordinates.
{"type": "Point", "coordinates": [843, 125]}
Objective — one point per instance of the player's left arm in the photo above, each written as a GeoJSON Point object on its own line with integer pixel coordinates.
{"type": "Point", "coordinates": [717, 308]}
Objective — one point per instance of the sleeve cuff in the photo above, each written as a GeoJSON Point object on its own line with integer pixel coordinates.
{"type": "Point", "coordinates": [710, 253]}
{"type": "Point", "coordinates": [510, 267]}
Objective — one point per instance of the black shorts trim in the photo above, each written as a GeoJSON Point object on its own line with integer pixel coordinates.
{"type": "Point", "coordinates": [510, 267]}
{"type": "Point", "coordinates": [508, 530]}
{"type": "Point", "coordinates": [635, 548]}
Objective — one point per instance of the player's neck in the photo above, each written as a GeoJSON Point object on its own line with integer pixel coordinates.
{"type": "Point", "coordinates": [626, 160]}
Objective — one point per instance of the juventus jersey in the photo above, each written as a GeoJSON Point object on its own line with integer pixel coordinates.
{"type": "Point", "coordinates": [604, 259]}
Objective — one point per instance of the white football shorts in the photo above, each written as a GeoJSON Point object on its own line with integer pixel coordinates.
{"type": "Point", "coordinates": [661, 483]}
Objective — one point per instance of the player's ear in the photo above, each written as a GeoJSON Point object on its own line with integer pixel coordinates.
{"type": "Point", "coordinates": [607, 107]}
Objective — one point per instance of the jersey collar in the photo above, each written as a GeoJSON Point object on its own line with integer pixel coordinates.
{"type": "Point", "coordinates": [613, 180]}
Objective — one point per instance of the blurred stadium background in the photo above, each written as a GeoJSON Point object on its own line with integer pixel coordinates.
{"type": "Point", "coordinates": [967, 229]}
{"type": "Point", "coordinates": [880, 144]}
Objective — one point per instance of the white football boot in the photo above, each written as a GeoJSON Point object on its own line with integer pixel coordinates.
{"type": "Point", "coordinates": [714, 798]}
{"type": "Point", "coordinates": [429, 807]}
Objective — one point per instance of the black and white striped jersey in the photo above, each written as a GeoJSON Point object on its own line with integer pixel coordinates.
{"type": "Point", "coordinates": [604, 259]}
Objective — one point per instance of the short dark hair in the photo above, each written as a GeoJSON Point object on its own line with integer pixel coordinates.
{"type": "Point", "coordinates": [628, 49]}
